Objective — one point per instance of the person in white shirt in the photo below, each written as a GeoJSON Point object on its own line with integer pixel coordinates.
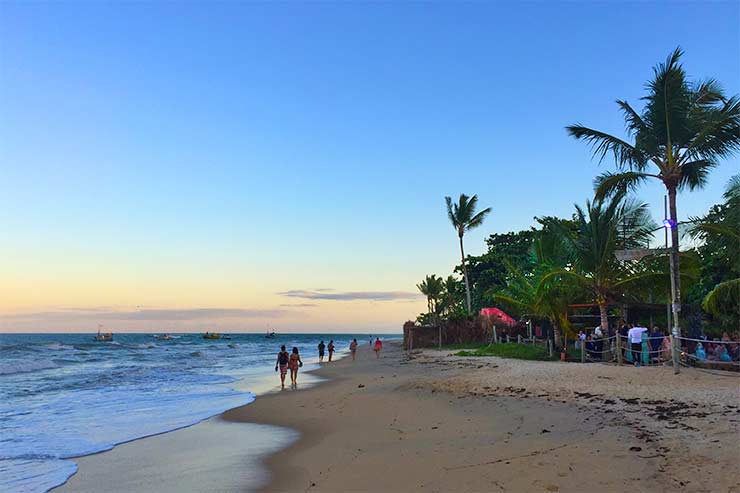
{"type": "Point", "coordinates": [598, 342]}
{"type": "Point", "coordinates": [597, 332]}
{"type": "Point", "coordinates": [634, 335]}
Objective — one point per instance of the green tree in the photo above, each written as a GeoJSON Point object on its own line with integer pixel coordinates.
{"type": "Point", "coordinates": [719, 231]}
{"type": "Point", "coordinates": [683, 131]}
{"type": "Point", "coordinates": [464, 217]}
{"type": "Point", "coordinates": [535, 292]}
{"type": "Point", "coordinates": [599, 233]}
{"type": "Point", "coordinates": [488, 273]}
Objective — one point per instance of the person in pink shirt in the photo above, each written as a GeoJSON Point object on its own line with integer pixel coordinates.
{"type": "Point", "coordinates": [377, 347]}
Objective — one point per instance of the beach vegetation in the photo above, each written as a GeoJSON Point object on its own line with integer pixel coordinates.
{"type": "Point", "coordinates": [513, 351]}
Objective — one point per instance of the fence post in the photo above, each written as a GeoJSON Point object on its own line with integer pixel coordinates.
{"type": "Point", "coordinates": [618, 348]}
{"type": "Point", "coordinates": [495, 335]}
{"type": "Point", "coordinates": [411, 340]}
{"type": "Point", "coordinates": [519, 339]}
{"type": "Point", "coordinates": [440, 337]}
{"type": "Point", "coordinates": [583, 351]}
{"type": "Point", "coordinates": [549, 347]}
{"type": "Point", "coordinates": [674, 351]}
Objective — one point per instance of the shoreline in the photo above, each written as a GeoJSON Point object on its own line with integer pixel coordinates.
{"type": "Point", "coordinates": [432, 421]}
{"type": "Point", "coordinates": [261, 386]}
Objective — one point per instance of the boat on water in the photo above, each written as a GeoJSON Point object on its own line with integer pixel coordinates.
{"type": "Point", "coordinates": [103, 336]}
{"type": "Point", "coordinates": [270, 335]}
{"type": "Point", "coordinates": [164, 337]}
{"type": "Point", "coordinates": [211, 335]}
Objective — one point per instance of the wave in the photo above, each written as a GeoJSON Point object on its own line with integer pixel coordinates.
{"type": "Point", "coordinates": [26, 367]}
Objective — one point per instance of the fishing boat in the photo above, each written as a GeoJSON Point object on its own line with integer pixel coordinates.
{"type": "Point", "coordinates": [270, 335]}
{"type": "Point", "coordinates": [164, 337]}
{"type": "Point", "coordinates": [103, 336]}
{"type": "Point", "coordinates": [211, 335]}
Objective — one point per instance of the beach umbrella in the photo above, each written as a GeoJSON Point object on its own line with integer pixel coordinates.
{"type": "Point", "coordinates": [497, 316]}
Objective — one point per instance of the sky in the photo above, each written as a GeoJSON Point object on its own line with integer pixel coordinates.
{"type": "Point", "coordinates": [237, 166]}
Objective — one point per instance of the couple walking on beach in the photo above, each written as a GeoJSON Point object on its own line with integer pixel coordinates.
{"type": "Point", "coordinates": [287, 361]}
{"type": "Point", "coordinates": [322, 347]}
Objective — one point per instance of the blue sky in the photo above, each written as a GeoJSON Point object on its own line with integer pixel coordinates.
{"type": "Point", "coordinates": [184, 156]}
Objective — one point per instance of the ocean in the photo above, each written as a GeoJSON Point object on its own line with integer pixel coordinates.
{"type": "Point", "coordinates": [63, 395]}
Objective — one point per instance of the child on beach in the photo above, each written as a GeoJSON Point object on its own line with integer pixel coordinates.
{"type": "Point", "coordinates": [282, 362]}
{"type": "Point", "coordinates": [353, 348]}
{"type": "Point", "coordinates": [331, 349]}
{"type": "Point", "coordinates": [321, 347]}
{"type": "Point", "coordinates": [378, 346]}
{"type": "Point", "coordinates": [294, 363]}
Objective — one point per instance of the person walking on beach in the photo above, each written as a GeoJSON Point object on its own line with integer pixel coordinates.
{"type": "Point", "coordinates": [353, 348]}
{"type": "Point", "coordinates": [331, 349]}
{"type": "Point", "coordinates": [294, 363]}
{"type": "Point", "coordinates": [377, 347]}
{"type": "Point", "coordinates": [635, 337]}
{"type": "Point", "coordinates": [282, 362]}
{"type": "Point", "coordinates": [322, 346]}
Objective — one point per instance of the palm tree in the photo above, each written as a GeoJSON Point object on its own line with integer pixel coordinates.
{"type": "Point", "coordinates": [450, 296]}
{"type": "Point", "coordinates": [432, 287]}
{"type": "Point", "coordinates": [600, 232]}
{"type": "Point", "coordinates": [683, 131]}
{"type": "Point", "coordinates": [539, 295]}
{"type": "Point", "coordinates": [464, 218]}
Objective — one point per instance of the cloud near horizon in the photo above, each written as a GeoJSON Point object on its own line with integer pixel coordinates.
{"type": "Point", "coordinates": [325, 294]}
{"type": "Point", "coordinates": [148, 314]}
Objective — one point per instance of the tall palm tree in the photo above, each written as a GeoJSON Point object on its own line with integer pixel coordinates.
{"type": "Point", "coordinates": [600, 232]}
{"type": "Point", "coordinates": [682, 132]}
{"type": "Point", "coordinates": [463, 217]}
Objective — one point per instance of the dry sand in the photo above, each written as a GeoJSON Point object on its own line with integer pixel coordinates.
{"type": "Point", "coordinates": [432, 422]}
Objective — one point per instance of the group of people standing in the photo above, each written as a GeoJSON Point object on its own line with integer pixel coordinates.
{"type": "Point", "coordinates": [292, 361]}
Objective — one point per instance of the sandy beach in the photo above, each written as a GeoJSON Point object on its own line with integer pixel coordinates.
{"type": "Point", "coordinates": [434, 422]}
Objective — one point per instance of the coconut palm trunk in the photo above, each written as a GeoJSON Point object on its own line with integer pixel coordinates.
{"type": "Point", "coordinates": [465, 276]}
{"type": "Point", "coordinates": [603, 314]}
{"type": "Point", "coordinates": [674, 259]}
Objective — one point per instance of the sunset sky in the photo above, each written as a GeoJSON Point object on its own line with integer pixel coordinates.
{"type": "Point", "coordinates": [238, 166]}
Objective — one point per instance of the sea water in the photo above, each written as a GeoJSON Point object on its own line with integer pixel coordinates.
{"type": "Point", "coordinates": [64, 395]}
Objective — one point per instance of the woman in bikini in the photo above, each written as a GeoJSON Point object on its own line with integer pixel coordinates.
{"type": "Point", "coordinates": [353, 348]}
{"type": "Point", "coordinates": [294, 363]}
{"type": "Point", "coordinates": [282, 362]}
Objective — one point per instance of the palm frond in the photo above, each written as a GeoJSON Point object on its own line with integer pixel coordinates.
{"type": "Point", "coordinates": [602, 143]}
{"type": "Point", "coordinates": [723, 299]}
{"type": "Point", "coordinates": [477, 220]}
{"type": "Point", "coordinates": [732, 190]}
{"type": "Point", "coordinates": [609, 184]}
{"type": "Point", "coordinates": [635, 123]}
{"type": "Point", "coordinates": [694, 173]}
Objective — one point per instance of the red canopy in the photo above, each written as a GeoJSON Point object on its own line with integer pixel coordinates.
{"type": "Point", "coordinates": [497, 315]}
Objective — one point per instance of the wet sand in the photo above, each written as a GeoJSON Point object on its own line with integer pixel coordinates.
{"type": "Point", "coordinates": [432, 422]}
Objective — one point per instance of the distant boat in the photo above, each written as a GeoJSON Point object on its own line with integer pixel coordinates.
{"type": "Point", "coordinates": [211, 335]}
{"type": "Point", "coordinates": [103, 336]}
{"type": "Point", "coordinates": [164, 337]}
{"type": "Point", "coordinates": [270, 335]}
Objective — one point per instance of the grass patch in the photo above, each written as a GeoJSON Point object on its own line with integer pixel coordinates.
{"type": "Point", "coordinates": [510, 350]}
{"type": "Point", "coordinates": [468, 345]}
